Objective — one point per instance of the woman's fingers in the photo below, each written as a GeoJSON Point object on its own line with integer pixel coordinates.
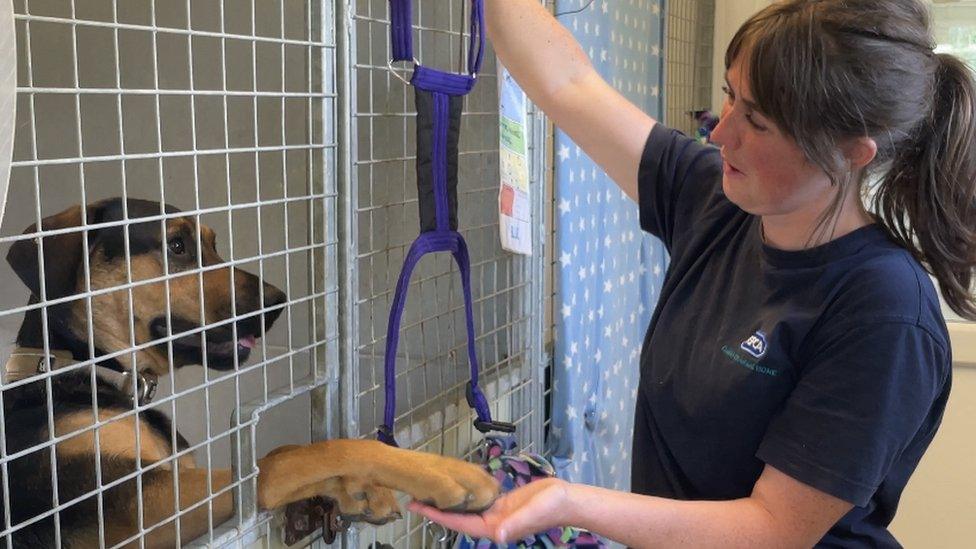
{"type": "Point", "coordinates": [473, 525]}
{"type": "Point", "coordinates": [525, 511]}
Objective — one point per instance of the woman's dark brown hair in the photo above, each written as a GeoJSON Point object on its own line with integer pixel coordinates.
{"type": "Point", "coordinates": [826, 71]}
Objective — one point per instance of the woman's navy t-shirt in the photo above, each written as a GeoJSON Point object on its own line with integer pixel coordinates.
{"type": "Point", "coordinates": [831, 364]}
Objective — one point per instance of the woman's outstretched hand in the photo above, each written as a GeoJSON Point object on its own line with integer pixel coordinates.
{"type": "Point", "coordinates": [530, 509]}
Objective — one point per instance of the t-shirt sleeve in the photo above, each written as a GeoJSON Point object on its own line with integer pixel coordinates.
{"type": "Point", "coordinates": [867, 393]}
{"type": "Point", "coordinates": [677, 179]}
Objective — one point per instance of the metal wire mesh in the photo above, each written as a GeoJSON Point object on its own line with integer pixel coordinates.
{"type": "Point", "coordinates": [226, 111]}
{"type": "Point", "coordinates": [296, 150]}
{"type": "Point", "coordinates": [432, 367]}
{"type": "Point", "coordinates": [690, 36]}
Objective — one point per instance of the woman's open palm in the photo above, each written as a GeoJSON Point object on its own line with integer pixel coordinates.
{"type": "Point", "coordinates": [530, 509]}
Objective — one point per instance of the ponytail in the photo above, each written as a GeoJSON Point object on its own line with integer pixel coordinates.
{"type": "Point", "coordinates": [927, 201]}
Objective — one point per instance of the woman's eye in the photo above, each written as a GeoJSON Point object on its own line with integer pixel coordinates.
{"type": "Point", "coordinates": [748, 116]}
{"type": "Point", "coordinates": [755, 124]}
{"type": "Point", "coordinates": [177, 246]}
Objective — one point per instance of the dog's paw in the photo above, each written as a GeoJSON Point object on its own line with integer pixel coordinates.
{"type": "Point", "coordinates": [453, 485]}
{"type": "Point", "coordinates": [359, 500]}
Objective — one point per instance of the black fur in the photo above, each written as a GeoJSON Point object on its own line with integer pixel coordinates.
{"type": "Point", "coordinates": [26, 425]}
{"type": "Point", "coordinates": [31, 485]}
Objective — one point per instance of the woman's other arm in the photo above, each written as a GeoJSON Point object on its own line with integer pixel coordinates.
{"type": "Point", "coordinates": [780, 512]}
{"type": "Point", "coordinates": [556, 74]}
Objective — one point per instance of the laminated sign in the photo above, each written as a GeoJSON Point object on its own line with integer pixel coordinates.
{"type": "Point", "coordinates": [514, 204]}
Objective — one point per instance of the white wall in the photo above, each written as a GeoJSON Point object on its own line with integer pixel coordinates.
{"type": "Point", "coordinates": [938, 508]}
{"type": "Point", "coordinates": [729, 16]}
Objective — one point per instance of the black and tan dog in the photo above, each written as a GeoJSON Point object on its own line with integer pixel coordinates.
{"type": "Point", "coordinates": [357, 474]}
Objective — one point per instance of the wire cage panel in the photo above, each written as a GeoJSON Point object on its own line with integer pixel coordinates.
{"type": "Point", "coordinates": [690, 37]}
{"type": "Point", "coordinates": [294, 149]}
{"type": "Point", "coordinates": [226, 111]}
{"type": "Point", "coordinates": [432, 365]}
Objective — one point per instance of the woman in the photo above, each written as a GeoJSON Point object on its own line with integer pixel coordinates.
{"type": "Point", "coordinates": [797, 364]}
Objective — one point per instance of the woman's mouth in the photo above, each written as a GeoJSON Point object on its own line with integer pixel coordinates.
{"type": "Point", "coordinates": [730, 170]}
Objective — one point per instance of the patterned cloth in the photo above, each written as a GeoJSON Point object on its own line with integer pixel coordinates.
{"type": "Point", "coordinates": [512, 469]}
{"type": "Point", "coordinates": [610, 271]}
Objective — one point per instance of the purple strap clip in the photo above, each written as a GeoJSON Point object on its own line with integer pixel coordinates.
{"type": "Point", "coordinates": [401, 33]}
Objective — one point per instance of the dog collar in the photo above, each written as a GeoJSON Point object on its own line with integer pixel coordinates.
{"type": "Point", "coordinates": [25, 362]}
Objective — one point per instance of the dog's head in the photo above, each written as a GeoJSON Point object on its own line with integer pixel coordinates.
{"type": "Point", "coordinates": [153, 246]}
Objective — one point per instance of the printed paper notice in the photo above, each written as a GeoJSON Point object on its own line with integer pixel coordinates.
{"type": "Point", "coordinates": [514, 204]}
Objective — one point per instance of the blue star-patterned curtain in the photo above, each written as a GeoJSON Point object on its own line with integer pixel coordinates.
{"type": "Point", "coordinates": [610, 271]}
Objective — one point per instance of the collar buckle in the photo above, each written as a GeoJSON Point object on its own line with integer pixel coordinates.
{"type": "Point", "coordinates": [146, 384]}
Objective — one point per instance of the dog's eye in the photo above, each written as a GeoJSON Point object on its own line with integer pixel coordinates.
{"type": "Point", "coordinates": [177, 246]}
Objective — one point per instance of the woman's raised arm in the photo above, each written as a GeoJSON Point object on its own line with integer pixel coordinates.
{"type": "Point", "coordinates": [556, 74]}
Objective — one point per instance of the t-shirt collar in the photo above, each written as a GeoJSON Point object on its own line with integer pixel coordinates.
{"type": "Point", "coordinates": [836, 249]}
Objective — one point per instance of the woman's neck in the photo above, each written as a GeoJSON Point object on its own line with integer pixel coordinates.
{"type": "Point", "coordinates": [802, 230]}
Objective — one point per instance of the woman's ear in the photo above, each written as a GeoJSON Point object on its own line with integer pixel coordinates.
{"type": "Point", "coordinates": [860, 152]}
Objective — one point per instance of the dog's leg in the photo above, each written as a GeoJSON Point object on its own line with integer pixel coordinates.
{"type": "Point", "coordinates": [446, 483]}
{"type": "Point", "coordinates": [357, 500]}
{"type": "Point", "coordinates": [355, 497]}
{"type": "Point", "coordinates": [357, 474]}
{"type": "Point", "coordinates": [159, 509]}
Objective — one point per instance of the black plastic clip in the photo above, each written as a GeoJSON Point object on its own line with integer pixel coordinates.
{"type": "Point", "coordinates": [384, 433]}
{"type": "Point", "coordinates": [485, 426]}
{"type": "Point", "coordinates": [497, 426]}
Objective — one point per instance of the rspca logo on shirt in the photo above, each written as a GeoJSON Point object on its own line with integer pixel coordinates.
{"type": "Point", "coordinates": [755, 345]}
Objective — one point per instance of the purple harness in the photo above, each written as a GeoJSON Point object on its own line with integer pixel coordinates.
{"type": "Point", "coordinates": [439, 97]}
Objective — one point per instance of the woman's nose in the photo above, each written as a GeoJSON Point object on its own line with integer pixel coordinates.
{"type": "Point", "coordinates": [723, 135]}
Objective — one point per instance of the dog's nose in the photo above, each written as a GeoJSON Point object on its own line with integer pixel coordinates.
{"type": "Point", "coordinates": [272, 298]}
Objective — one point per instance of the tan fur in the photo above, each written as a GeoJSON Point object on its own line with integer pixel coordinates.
{"type": "Point", "coordinates": [111, 311]}
{"type": "Point", "coordinates": [359, 475]}
{"type": "Point", "coordinates": [116, 438]}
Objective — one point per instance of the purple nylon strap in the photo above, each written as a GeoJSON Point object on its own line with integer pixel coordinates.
{"type": "Point", "coordinates": [401, 33]}
{"type": "Point", "coordinates": [446, 83]}
{"type": "Point", "coordinates": [442, 87]}
{"type": "Point", "coordinates": [401, 30]}
{"type": "Point", "coordinates": [476, 57]}
{"type": "Point", "coordinates": [430, 242]}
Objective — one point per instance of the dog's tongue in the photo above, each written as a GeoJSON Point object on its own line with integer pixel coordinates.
{"type": "Point", "coordinates": [247, 342]}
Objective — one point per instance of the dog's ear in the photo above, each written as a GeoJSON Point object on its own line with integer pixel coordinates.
{"type": "Point", "coordinates": [62, 253]}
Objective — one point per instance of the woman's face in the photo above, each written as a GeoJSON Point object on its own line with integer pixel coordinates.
{"type": "Point", "coordinates": [765, 172]}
